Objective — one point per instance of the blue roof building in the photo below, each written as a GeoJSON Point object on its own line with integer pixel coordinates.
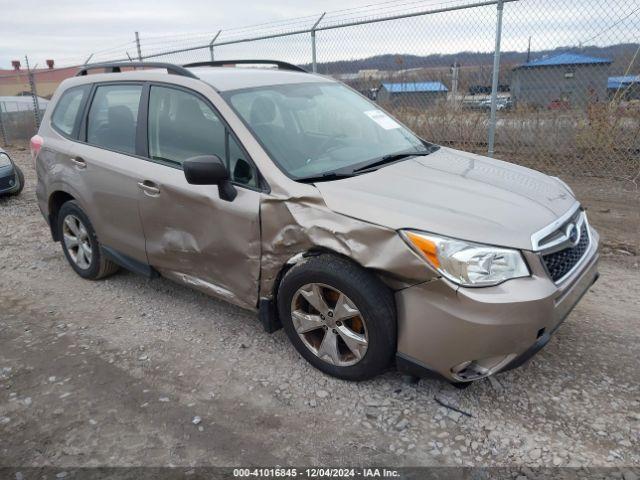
{"type": "Point", "coordinates": [411, 94]}
{"type": "Point", "coordinates": [405, 87]}
{"type": "Point", "coordinates": [565, 59]}
{"type": "Point", "coordinates": [565, 80]}
{"type": "Point", "coordinates": [623, 81]}
{"type": "Point", "coordinates": [626, 87]}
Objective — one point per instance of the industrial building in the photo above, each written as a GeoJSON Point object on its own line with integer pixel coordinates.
{"type": "Point", "coordinates": [626, 87]}
{"type": "Point", "coordinates": [570, 80]}
{"type": "Point", "coordinates": [411, 94]}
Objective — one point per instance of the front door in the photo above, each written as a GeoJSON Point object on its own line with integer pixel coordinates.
{"type": "Point", "coordinates": [191, 234]}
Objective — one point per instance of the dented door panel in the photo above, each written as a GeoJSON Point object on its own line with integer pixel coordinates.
{"type": "Point", "coordinates": [195, 238]}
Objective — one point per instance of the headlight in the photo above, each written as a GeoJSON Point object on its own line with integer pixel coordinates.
{"type": "Point", "coordinates": [465, 263]}
{"type": "Point", "coordinates": [5, 161]}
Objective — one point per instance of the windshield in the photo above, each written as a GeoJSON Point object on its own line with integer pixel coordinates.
{"type": "Point", "coordinates": [319, 129]}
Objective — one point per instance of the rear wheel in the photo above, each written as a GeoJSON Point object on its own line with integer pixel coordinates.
{"type": "Point", "coordinates": [80, 243]}
{"type": "Point", "coordinates": [339, 316]}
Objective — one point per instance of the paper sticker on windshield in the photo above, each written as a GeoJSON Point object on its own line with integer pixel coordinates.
{"type": "Point", "coordinates": [382, 119]}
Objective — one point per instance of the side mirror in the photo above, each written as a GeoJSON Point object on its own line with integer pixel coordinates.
{"type": "Point", "coordinates": [210, 170]}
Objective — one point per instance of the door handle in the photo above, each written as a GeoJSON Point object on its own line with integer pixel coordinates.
{"type": "Point", "coordinates": [79, 162]}
{"type": "Point", "coordinates": [149, 188]}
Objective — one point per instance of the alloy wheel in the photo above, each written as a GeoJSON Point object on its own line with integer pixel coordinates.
{"type": "Point", "coordinates": [76, 241]}
{"type": "Point", "coordinates": [329, 324]}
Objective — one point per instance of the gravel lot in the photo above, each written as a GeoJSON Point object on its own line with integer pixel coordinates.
{"type": "Point", "coordinates": [130, 371]}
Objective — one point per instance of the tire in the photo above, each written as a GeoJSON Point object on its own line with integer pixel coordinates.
{"type": "Point", "coordinates": [20, 176]}
{"type": "Point", "coordinates": [95, 267]}
{"type": "Point", "coordinates": [375, 322]}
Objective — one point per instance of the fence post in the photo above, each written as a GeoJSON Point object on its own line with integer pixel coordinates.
{"type": "Point", "coordinates": [3, 133]}
{"type": "Point", "coordinates": [211, 45]}
{"type": "Point", "coordinates": [34, 94]}
{"type": "Point", "coordinates": [138, 46]}
{"type": "Point", "coordinates": [496, 78]}
{"type": "Point", "coordinates": [314, 66]}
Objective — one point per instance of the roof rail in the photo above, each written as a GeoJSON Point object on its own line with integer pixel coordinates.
{"type": "Point", "coordinates": [116, 67]}
{"type": "Point", "coordinates": [223, 63]}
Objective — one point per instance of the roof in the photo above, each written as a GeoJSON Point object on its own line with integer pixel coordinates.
{"type": "Point", "coordinates": [565, 59]}
{"type": "Point", "coordinates": [20, 103]}
{"type": "Point", "coordinates": [623, 81]}
{"type": "Point", "coordinates": [20, 98]}
{"type": "Point", "coordinates": [415, 87]}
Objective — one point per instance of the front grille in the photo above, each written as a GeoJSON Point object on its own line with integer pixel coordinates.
{"type": "Point", "coordinates": [560, 263]}
{"type": "Point", "coordinates": [6, 182]}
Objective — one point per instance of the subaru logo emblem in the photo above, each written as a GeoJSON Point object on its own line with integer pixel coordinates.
{"type": "Point", "coordinates": [573, 234]}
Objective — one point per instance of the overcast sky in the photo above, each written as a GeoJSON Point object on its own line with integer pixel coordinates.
{"type": "Point", "coordinates": [69, 30]}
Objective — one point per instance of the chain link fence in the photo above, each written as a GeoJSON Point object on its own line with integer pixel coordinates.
{"type": "Point", "coordinates": [549, 84]}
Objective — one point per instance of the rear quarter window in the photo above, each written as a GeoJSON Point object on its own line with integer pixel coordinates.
{"type": "Point", "coordinates": [66, 114]}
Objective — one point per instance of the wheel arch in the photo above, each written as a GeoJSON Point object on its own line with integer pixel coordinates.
{"type": "Point", "coordinates": [55, 202]}
{"type": "Point", "coordinates": [267, 301]}
{"type": "Point", "coordinates": [299, 257]}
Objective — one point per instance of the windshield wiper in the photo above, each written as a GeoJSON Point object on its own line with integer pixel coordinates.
{"type": "Point", "coordinates": [325, 177]}
{"type": "Point", "coordinates": [394, 157]}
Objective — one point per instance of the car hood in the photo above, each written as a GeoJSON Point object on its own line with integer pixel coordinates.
{"type": "Point", "coordinates": [455, 194]}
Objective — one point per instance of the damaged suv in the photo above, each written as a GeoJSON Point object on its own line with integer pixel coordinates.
{"type": "Point", "coordinates": [290, 194]}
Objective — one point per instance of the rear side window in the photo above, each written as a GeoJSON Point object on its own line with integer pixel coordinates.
{"type": "Point", "coordinates": [113, 117]}
{"type": "Point", "coordinates": [66, 113]}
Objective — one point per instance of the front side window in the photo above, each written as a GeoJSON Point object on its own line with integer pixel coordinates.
{"type": "Point", "coordinates": [314, 129]}
{"type": "Point", "coordinates": [113, 117]}
{"type": "Point", "coordinates": [182, 126]}
{"type": "Point", "coordinates": [66, 113]}
{"type": "Point", "coordinates": [240, 168]}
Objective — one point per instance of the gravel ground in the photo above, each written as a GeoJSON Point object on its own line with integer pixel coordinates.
{"type": "Point", "coordinates": [130, 371]}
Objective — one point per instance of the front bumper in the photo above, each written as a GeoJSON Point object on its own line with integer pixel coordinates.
{"type": "Point", "coordinates": [464, 334]}
{"type": "Point", "coordinates": [8, 180]}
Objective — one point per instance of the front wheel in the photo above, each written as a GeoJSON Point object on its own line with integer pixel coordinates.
{"type": "Point", "coordinates": [340, 317]}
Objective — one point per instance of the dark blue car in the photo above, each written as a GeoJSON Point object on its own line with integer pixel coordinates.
{"type": "Point", "coordinates": [11, 177]}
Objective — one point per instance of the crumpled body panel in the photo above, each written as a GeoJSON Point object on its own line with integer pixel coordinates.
{"type": "Point", "coordinates": [296, 225]}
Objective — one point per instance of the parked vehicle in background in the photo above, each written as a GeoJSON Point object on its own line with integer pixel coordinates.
{"type": "Point", "coordinates": [11, 177]}
{"type": "Point", "coordinates": [292, 195]}
{"type": "Point", "coordinates": [501, 104]}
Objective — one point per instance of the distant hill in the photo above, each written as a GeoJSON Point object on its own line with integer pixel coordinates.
{"type": "Point", "coordinates": [621, 54]}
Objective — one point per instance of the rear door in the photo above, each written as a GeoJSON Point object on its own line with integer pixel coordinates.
{"type": "Point", "coordinates": [108, 164]}
{"type": "Point", "coordinates": [55, 167]}
{"type": "Point", "coordinates": [191, 234]}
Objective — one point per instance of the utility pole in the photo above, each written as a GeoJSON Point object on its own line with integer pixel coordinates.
{"type": "Point", "coordinates": [34, 93]}
{"type": "Point", "coordinates": [138, 46]}
{"type": "Point", "coordinates": [455, 70]}
{"type": "Point", "coordinates": [529, 51]}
